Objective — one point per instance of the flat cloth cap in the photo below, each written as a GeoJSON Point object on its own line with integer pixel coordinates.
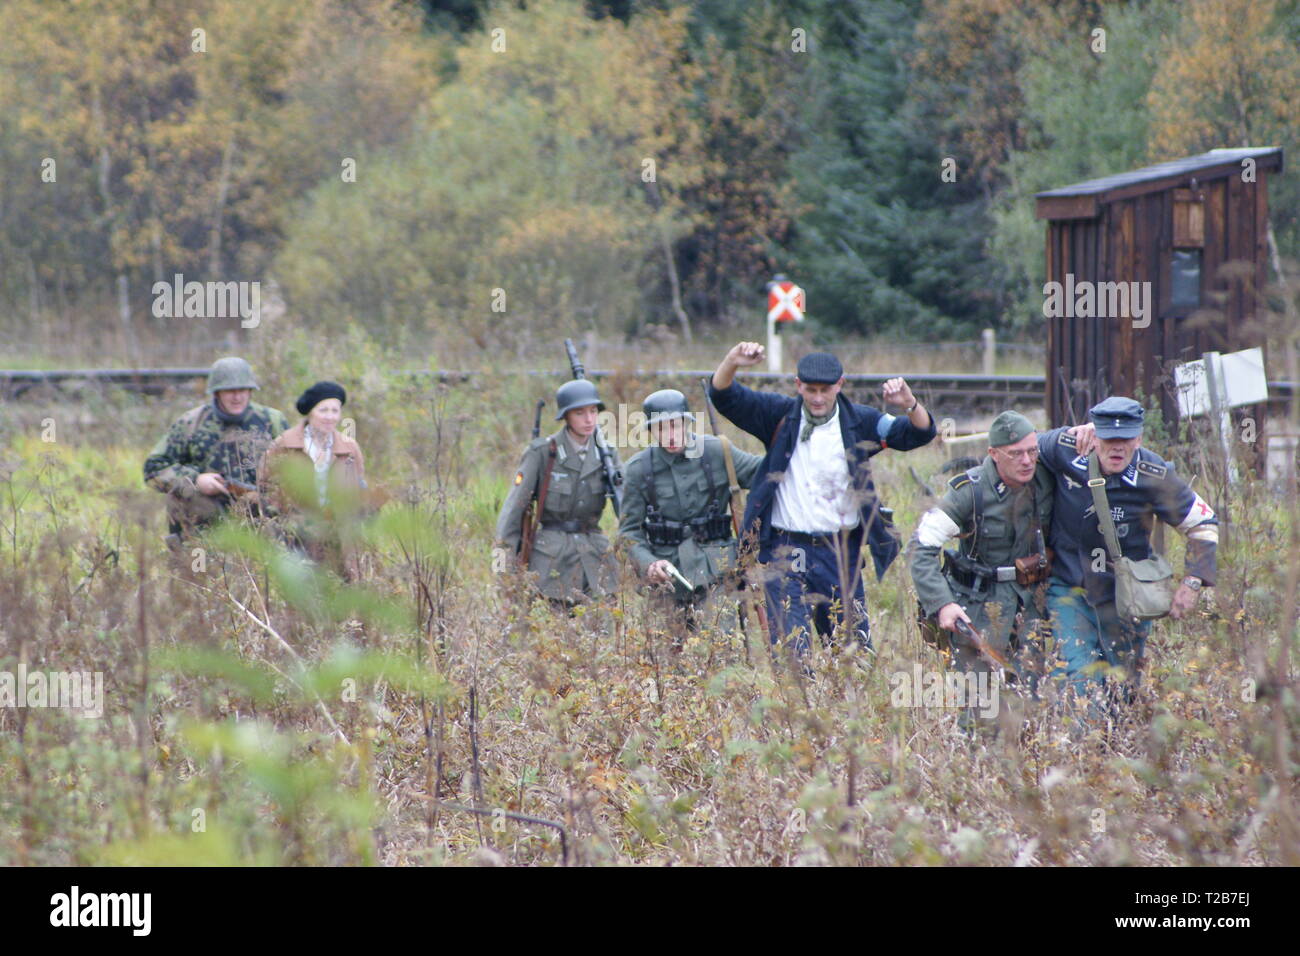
{"type": "Point", "coordinates": [1008, 428]}
{"type": "Point", "coordinates": [1117, 417]}
{"type": "Point", "coordinates": [820, 368]}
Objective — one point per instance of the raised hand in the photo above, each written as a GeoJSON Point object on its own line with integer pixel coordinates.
{"type": "Point", "coordinates": [745, 354]}
{"type": "Point", "coordinates": [898, 392]}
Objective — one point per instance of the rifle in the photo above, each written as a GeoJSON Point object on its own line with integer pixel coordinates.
{"type": "Point", "coordinates": [528, 526]}
{"type": "Point", "coordinates": [982, 646]}
{"type": "Point", "coordinates": [613, 477]}
{"type": "Point", "coordinates": [733, 498]}
{"type": "Point", "coordinates": [236, 488]}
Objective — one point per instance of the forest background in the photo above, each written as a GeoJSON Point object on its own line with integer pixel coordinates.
{"type": "Point", "coordinates": [463, 178]}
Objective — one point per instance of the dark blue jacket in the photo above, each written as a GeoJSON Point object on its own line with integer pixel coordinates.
{"type": "Point", "coordinates": [774, 419]}
{"type": "Point", "coordinates": [1147, 489]}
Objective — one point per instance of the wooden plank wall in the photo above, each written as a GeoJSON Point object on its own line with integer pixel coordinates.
{"type": "Point", "coordinates": [1130, 240]}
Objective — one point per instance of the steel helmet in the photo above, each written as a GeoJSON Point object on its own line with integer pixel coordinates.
{"type": "Point", "coordinates": [665, 404]}
{"type": "Point", "coordinates": [576, 394]}
{"type": "Point", "coordinates": [231, 372]}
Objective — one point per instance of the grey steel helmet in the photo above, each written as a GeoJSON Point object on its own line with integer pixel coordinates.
{"type": "Point", "coordinates": [665, 404]}
{"type": "Point", "coordinates": [231, 372]}
{"type": "Point", "coordinates": [576, 394]}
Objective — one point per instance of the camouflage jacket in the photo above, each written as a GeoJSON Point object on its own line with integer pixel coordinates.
{"type": "Point", "coordinates": [200, 442]}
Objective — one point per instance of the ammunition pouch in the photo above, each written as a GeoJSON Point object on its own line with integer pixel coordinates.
{"type": "Point", "coordinates": [1033, 569]}
{"type": "Point", "coordinates": [669, 534]}
{"type": "Point", "coordinates": [969, 577]}
{"type": "Point", "coordinates": [975, 579]}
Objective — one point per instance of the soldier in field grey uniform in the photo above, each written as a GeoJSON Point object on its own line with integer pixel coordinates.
{"type": "Point", "coordinates": [570, 555]}
{"type": "Point", "coordinates": [676, 505]}
{"type": "Point", "coordinates": [1002, 511]}
{"type": "Point", "coordinates": [210, 455]}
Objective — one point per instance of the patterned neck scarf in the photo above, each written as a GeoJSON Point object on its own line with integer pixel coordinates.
{"type": "Point", "coordinates": [811, 421]}
{"type": "Point", "coordinates": [320, 454]}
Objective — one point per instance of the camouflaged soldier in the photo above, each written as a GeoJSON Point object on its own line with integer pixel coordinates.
{"type": "Point", "coordinates": [209, 457]}
{"type": "Point", "coordinates": [1001, 510]}
{"type": "Point", "coordinates": [676, 505]}
{"type": "Point", "coordinates": [571, 557]}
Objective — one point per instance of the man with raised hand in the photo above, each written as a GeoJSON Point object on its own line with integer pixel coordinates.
{"type": "Point", "coordinates": [814, 505]}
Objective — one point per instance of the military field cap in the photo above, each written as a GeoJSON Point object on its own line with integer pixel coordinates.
{"type": "Point", "coordinates": [1008, 428]}
{"type": "Point", "coordinates": [1117, 417]}
{"type": "Point", "coordinates": [819, 368]}
{"type": "Point", "coordinates": [230, 372]}
{"type": "Point", "coordinates": [318, 393]}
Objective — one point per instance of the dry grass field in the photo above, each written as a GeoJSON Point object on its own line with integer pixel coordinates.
{"type": "Point", "coordinates": [257, 711]}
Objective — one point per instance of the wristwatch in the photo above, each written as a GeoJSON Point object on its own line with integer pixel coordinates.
{"type": "Point", "coordinates": [915, 402]}
{"type": "Point", "coordinates": [1193, 582]}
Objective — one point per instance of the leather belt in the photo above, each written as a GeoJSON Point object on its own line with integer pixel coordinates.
{"type": "Point", "coordinates": [821, 540]}
{"type": "Point", "coordinates": [571, 527]}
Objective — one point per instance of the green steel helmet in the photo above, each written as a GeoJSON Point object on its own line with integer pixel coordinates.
{"type": "Point", "coordinates": [665, 404]}
{"type": "Point", "coordinates": [576, 394]}
{"type": "Point", "coordinates": [231, 372]}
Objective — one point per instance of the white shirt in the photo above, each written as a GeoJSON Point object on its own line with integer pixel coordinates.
{"type": "Point", "coordinates": [813, 495]}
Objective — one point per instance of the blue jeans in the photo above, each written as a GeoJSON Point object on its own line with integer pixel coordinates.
{"type": "Point", "coordinates": [1086, 635]}
{"type": "Point", "coordinates": [801, 582]}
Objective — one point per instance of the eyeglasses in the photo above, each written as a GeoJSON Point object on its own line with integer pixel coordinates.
{"type": "Point", "coordinates": [1026, 454]}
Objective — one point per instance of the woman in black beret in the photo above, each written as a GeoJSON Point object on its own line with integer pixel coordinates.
{"type": "Point", "coordinates": [313, 475]}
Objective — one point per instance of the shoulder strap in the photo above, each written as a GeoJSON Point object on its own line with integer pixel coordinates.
{"type": "Point", "coordinates": [546, 479]}
{"type": "Point", "coordinates": [199, 419]}
{"type": "Point", "coordinates": [1102, 505]}
{"type": "Point", "coordinates": [977, 494]}
{"type": "Point", "coordinates": [733, 483]}
{"type": "Point", "coordinates": [651, 489]}
{"type": "Point", "coordinates": [1035, 523]}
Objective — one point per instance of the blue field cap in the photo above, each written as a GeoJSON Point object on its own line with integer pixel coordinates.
{"type": "Point", "coordinates": [1117, 417]}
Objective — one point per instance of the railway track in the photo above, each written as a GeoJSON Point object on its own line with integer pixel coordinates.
{"type": "Point", "coordinates": [939, 390]}
{"type": "Point", "coordinates": [17, 385]}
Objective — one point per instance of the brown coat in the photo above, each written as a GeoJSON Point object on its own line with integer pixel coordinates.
{"type": "Point", "coordinates": [347, 471]}
{"type": "Point", "coordinates": [318, 533]}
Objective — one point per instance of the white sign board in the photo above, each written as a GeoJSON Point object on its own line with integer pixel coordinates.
{"type": "Point", "coordinates": [1240, 376]}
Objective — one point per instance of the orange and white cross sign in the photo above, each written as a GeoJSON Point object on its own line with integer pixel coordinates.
{"type": "Point", "coordinates": [785, 302]}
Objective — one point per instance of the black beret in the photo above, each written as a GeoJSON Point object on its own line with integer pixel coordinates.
{"type": "Point", "coordinates": [820, 368]}
{"type": "Point", "coordinates": [318, 393]}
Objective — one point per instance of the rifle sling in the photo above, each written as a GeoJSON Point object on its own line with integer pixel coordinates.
{"type": "Point", "coordinates": [546, 479]}
{"type": "Point", "coordinates": [542, 489]}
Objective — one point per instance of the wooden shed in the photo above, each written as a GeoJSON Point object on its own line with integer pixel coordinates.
{"type": "Point", "coordinates": [1136, 256]}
